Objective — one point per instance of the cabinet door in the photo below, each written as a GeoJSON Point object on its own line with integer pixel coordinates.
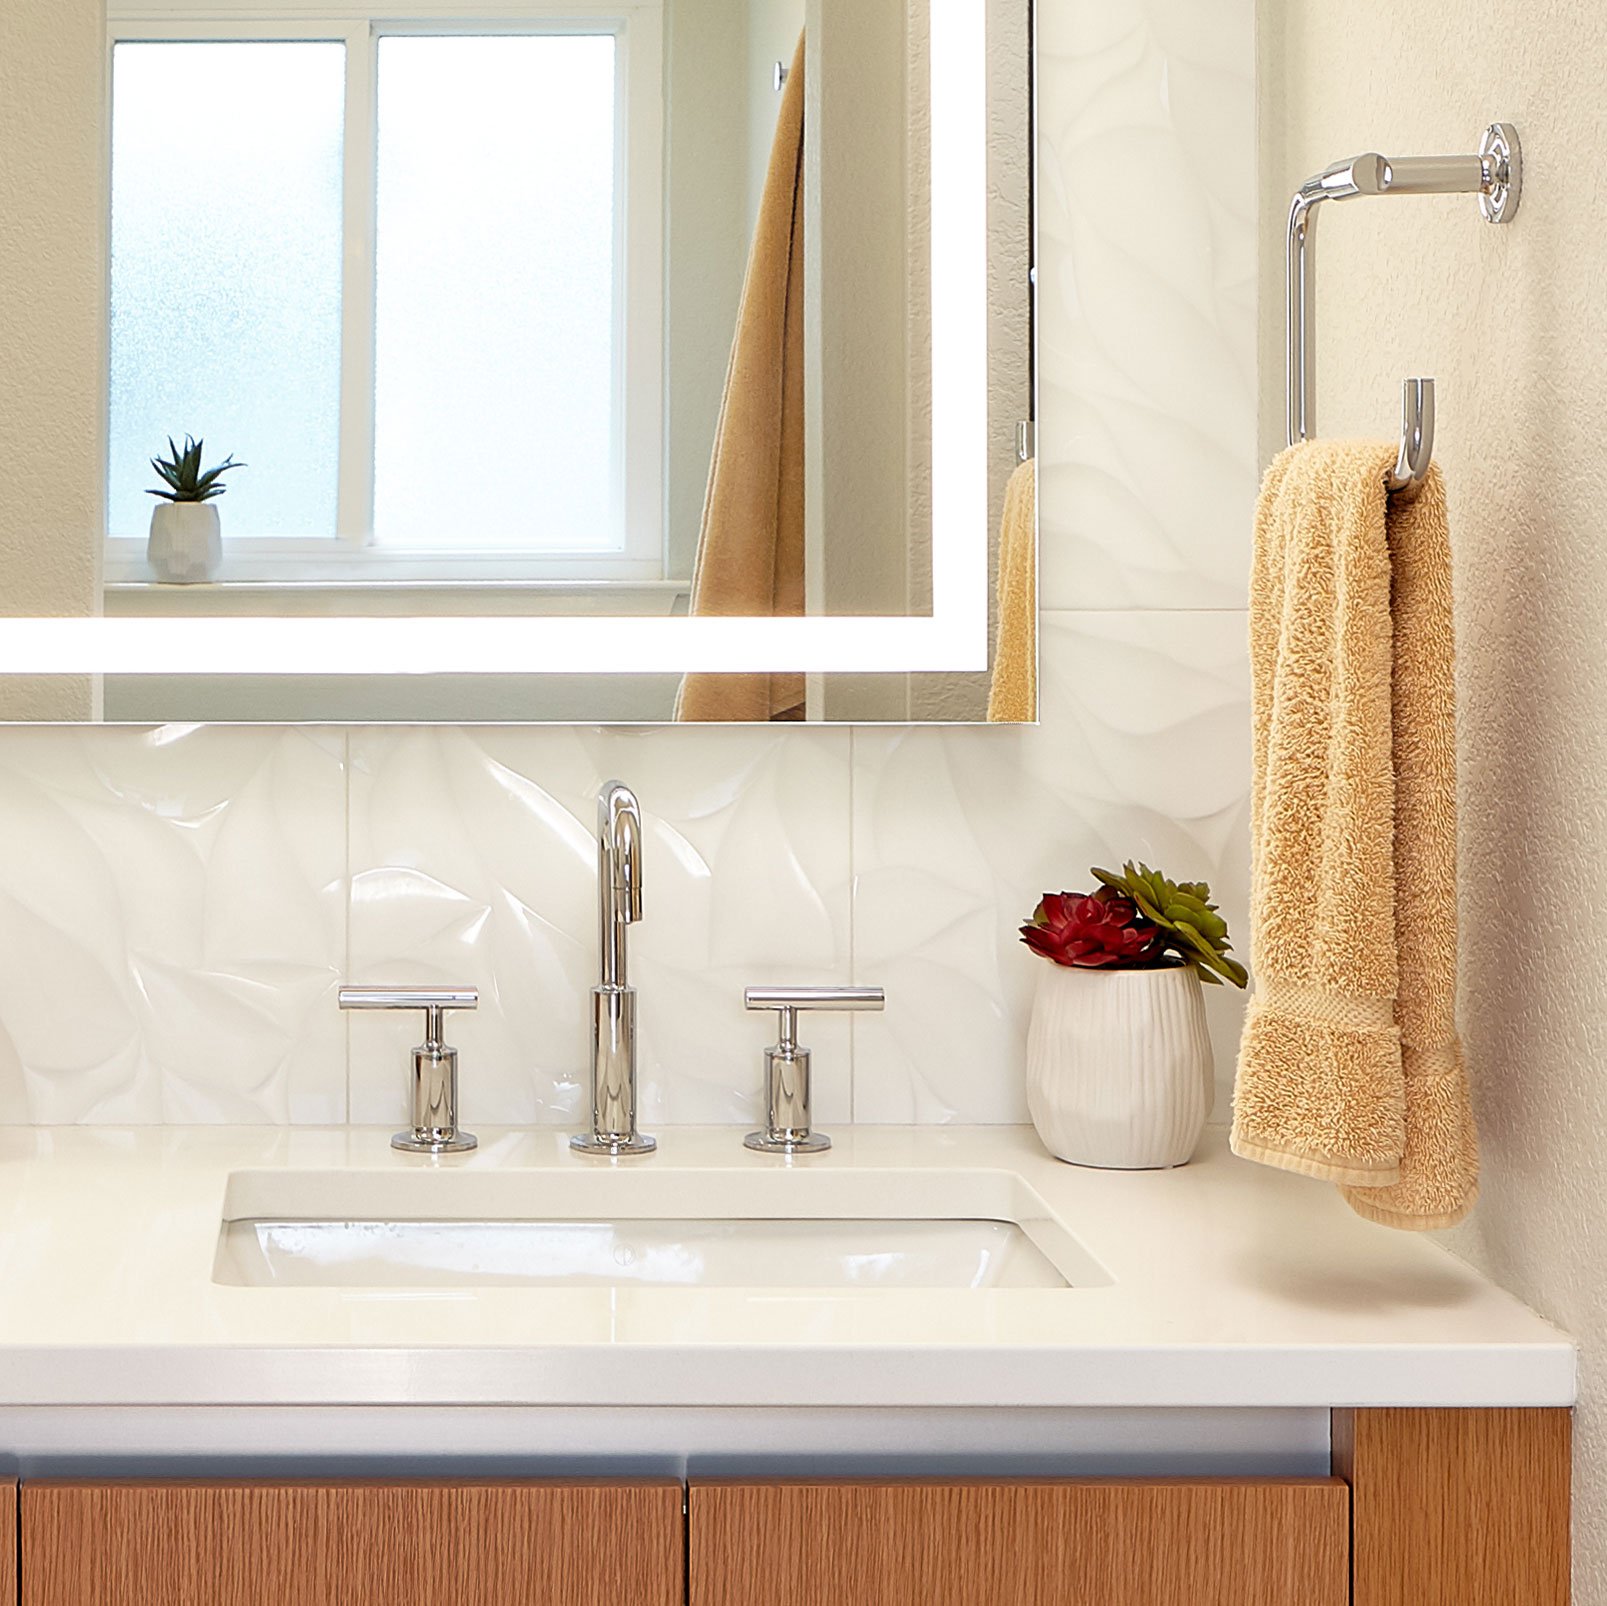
{"type": "Point", "coordinates": [965, 1543]}
{"type": "Point", "coordinates": [1458, 1507]}
{"type": "Point", "coordinates": [352, 1544]}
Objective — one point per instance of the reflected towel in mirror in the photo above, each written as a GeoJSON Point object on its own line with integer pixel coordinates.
{"type": "Point", "coordinates": [1014, 697]}
{"type": "Point", "coordinates": [750, 557]}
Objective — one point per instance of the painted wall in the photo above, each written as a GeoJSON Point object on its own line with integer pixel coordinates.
{"type": "Point", "coordinates": [708, 85]}
{"type": "Point", "coordinates": [771, 35]}
{"type": "Point", "coordinates": [1510, 322]}
{"type": "Point", "coordinates": [177, 907]}
{"type": "Point", "coordinates": [52, 299]}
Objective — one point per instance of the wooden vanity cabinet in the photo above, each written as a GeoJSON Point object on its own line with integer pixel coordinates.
{"type": "Point", "coordinates": [1424, 1508]}
{"type": "Point", "coordinates": [352, 1544]}
{"type": "Point", "coordinates": [1171, 1542]}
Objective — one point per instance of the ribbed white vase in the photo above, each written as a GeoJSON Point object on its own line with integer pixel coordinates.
{"type": "Point", "coordinates": [1119, 1066]}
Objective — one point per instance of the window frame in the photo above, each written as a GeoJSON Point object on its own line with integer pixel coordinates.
{"type": "Point", "coordinates": [350, 558]}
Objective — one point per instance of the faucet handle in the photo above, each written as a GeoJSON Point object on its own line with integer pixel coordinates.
{"type": "Point", "coordinates": [440, 998]}
{"type": "Point", "coordinates": [786, 1065]}
{"type": "Point", "coordinates": [851, 998]}
{"type": "Point", "coordinates": [435, 1063]}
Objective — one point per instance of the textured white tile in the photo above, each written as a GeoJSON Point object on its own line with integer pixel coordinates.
{"type": "Point", "coordinates": [1147, 218]}
{"type": "Point", "coordinates": [1142, 753]}
{"type": "Point", "coordinates": [474, 860]}
{"type": "Point", "coordinates": [172, 924]}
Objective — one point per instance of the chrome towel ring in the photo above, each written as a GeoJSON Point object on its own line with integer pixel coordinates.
{"type": "Point", "coordinates": [1495, 175]}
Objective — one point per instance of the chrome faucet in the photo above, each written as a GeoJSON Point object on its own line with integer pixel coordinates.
{"type": "Point", "coordinates": [613, 1000]}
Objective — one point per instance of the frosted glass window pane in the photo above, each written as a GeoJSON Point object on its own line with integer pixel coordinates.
{"type": "Point", "coordinates": [495, 316]}
{"type": "Point", "coordinates": [226, 274]}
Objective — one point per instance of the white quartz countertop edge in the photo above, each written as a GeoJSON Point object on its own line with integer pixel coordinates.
{"type": "Point", "coordinates": [1242, 1377]}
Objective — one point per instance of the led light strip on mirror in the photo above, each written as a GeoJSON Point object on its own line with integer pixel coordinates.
{"type": "Point", "coordinates": [954, 637]}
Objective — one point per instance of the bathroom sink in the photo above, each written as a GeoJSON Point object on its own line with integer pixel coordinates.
{"type": "Point", "coordinates": [699, 1229]}
{"type": "Point", "coordinates": [797, 1253]}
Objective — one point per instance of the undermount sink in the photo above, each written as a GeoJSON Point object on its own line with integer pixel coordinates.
{"type": "Point", "coordinates": [689, 1229]}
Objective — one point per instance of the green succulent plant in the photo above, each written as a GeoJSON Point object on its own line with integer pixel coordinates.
{"type": "Point", "coordinates": [180, 472]}
{"type": "Point", "coordinates": [1188, 920]}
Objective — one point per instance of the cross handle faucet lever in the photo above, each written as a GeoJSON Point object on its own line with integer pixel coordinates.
{"type": "Point", "coordinates": [786, 1064]}
{"type": "Point", "coordinates": [434, 1085]}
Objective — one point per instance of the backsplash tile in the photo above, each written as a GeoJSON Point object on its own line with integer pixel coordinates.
{"type": "Point", "coordinates": [1147, 316]}
{"type": "Point", "coordinates": [1143, 752]}
{"type": "Point", "coordinates": [177, 906]}
{"type": "Point", "coordinates": [172, 924]}
{"type": "Point", "coordinates": [474, 860]}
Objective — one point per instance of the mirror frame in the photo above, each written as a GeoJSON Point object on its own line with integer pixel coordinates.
{"type": "Point", "coordinates": [952, 637]}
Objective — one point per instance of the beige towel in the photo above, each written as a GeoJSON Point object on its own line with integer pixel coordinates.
{"type": "Point", "coordinates": [1014, 696]}
{"type": "Point", "coordinates": [1350, 1067]}
{"type": "Point", "coordinates": [750, 556]}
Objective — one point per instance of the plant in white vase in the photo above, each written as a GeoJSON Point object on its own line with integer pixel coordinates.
{"type": "Point", "coordinates": [186, 541]}
{"type": "Point", "coordinates": [1119, 1066]}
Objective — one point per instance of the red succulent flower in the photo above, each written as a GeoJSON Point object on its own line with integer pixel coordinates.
{"type": "Point", "coordinates": [1091, 931]}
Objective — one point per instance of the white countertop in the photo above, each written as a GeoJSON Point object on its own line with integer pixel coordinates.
{"type": "Point", "coordinates": [1231, 1286]}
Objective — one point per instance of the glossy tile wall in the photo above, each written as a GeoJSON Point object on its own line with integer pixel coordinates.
{"type": "Point", "coordinates": [178, 906]}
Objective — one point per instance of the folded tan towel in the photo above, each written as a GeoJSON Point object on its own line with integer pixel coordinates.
{"type": "Point", "coordinates": [1013, 698]}
{"type": "Point", "coordinates": [1350, 1067]}
{"type": "Point", "coordinates": [750, 556]}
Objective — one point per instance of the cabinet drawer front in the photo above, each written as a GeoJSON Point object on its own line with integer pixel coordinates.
{"type": "Point", "coordinates": [1115, 1543]}
{"type": "Point", "coordinates": [350, 1544]}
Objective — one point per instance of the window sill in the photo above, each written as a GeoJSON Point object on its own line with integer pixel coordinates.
{"type": "Point", "coordinates": [313, 597]}
{"type": "Point", "coordinates": [295, 561]}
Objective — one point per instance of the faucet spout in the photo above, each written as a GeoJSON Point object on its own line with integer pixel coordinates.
{"type": "Point", "coordinates": [613, 1040]}
{"type": "Point", "coordinates": [619, 878]}
{"type": "Point", "coordinates": [625, 832]}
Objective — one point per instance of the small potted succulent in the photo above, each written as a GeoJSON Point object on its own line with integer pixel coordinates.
{"type": "Point", "coordinates": [186, 543]}
{"type": "Point", "coordinates": [1119, 1066]}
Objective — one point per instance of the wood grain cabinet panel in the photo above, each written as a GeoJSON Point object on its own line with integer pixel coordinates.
{"type": "Point", "coordinates": [346, 1544]}
{"type": "Point", "coordinates": [8, 1544]}
{"type": "Point", "coordinates": [971, 1543]}
{"type": "Point", "coordinates": [1458, 1508]}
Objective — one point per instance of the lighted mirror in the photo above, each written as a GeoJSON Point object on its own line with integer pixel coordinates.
{"type": "Point", "coordinates": [518, 361]}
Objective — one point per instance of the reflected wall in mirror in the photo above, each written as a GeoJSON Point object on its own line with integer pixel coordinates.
{"type": "Point", "coordinates": [501, 310]}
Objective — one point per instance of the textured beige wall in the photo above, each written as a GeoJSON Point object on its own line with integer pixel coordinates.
{"type": "Point", "coordinates": [52, 323]}
{"type": "Point", "coordinates": [1513, 323]}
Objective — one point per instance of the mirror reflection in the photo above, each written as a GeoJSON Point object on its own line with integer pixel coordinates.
{"type": "Point", "coordinates": [507, 309]}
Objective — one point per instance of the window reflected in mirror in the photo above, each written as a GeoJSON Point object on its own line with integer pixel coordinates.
{"type": "Point", "coordinates": [226, 249]}
{"type": "Point", "coordinates": [500, 297]}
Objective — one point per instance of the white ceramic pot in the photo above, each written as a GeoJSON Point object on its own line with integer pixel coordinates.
{"type": "Point", "coordinates": [1119, 1066]}
{"type": "Point", "coordinates": [186, 543]}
